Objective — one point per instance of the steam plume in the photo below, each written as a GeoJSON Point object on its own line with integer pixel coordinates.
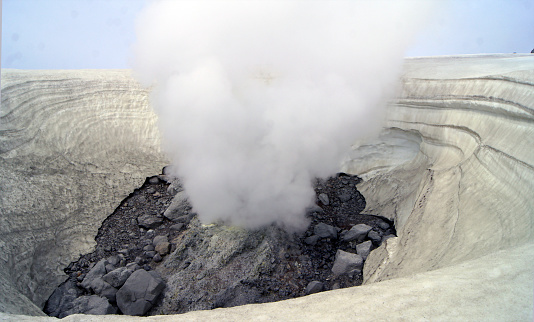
{"type": "Point", "coordinates": [256, 98]}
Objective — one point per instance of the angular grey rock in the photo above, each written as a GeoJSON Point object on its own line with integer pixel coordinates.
{"type": "Point", "coordinates": [357, 232]}
{"type": "Point", "coordinates": [150, 233]}
{"type": "Point", "coordinates": [93, 304]}
{"type": "Point", "coordinates": [62, 298]}
{"type": "Point", "coordinates": [153, 180]}
{"type": "Point", "coordinates": [132, 267]}
{"type": "Point", "coordinates": [96, 272]}
{"type": "Point", "coordinates": [117, 277]}
{"type": "Point", "coordinates": [150, 254]}
{"type": "Point", "coordinates": [363, 249]}
{"type": "Point", "coordinates": [179, 207]}
{"type": "Point", "coordinates": [139, 292]}
{"type": "Point", "coordinates": [110, 267]}
{"type": "Point", "coordinates": [99, 306]}
{"type": "Point", "coordinates": [114, 260]}
{"type": "Point", "coordinates": [314, 287]}
{"type": "Point", "coordinates": [177, 226]}
{"type": "Point", "coordinates": [102, 288]}
{"type": "Point", "coordinates": [160, 239]}
{"type": "Point", "coordinates": [157, 258]}
{"type": "Point", "coordinates": [312, 240]}
{"type": "Point", "coordinates": [164, 178]}
{"type": "Point", "coordinates": [325, 231]}
{"type": "Point", "coordinates": [163, 248]}
{"type": "Point", "coordinates": [314, 209]}
{"type": "Point", "coordinates": [185, 219]}
{"type": "Point", "coordinates": [375, 237]}
{"type": "Point", "coordinates": [148, 247]}
{"type": "Point", "coordinates": [384, 225]}
{"type": "Point", "coordinates": [139, 260]}
{"type": "Point", "coordinates": [149, 221]}
{"type": "Point", "coordinates": [346, 263]}
{"type": "Point", "coordinates": [107, 291]}
{"type": "Point", "coordinates": [324, 199]}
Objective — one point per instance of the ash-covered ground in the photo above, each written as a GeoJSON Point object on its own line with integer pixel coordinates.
{"type": "Point", "coordinates": [190, 266]}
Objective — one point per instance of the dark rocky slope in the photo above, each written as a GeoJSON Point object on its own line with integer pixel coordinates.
{"type": "Point", "coordinates": [153, 233]}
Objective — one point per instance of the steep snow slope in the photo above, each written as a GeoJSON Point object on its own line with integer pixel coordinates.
{"type": "Point", "coordinates": [73, 144]}
{"type": "Point", "coordinates": [466, 190]}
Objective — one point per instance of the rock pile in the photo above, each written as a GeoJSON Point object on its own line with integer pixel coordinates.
{"type": "Point", "coordinates": [153, 256]}
{"type": "Point", "coordinates": [340, 238]}
{"type": "Point", "coordinates": [130, 289]}
{"type": "Point", "coordinates": [118, 277]}
{"type": "Point", "coordinates": [219, 266]}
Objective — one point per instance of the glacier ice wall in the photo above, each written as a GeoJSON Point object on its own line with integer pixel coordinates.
{"type": "Point", "coordinates": [466, 190]}
{"type": "Point", "coordinates": [73, 144]}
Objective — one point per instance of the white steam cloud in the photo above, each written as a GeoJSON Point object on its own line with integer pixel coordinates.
{"type": "Point", "coordinates": [257, 98]}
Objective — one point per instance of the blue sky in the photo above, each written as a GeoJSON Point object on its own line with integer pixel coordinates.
{"type": "Point", "coordinates": [71, 34]}
{"type": "Point", "coordinates": [477, 26]}
{"type": "Point", "coordinates": [68, 34]}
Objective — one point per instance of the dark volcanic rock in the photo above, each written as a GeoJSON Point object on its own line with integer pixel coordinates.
{"type": "Point", "coordinates": [153, 180]}
{"type": "Point", "coordinates": [346, 263]}
{"type": "Point", "coordinates": [325, 231]}
{"type": "Point", "coordinates": [375, 237]}
{"type": "Point", "coordinates": [177, 227]}
{"type": "Point", "coordinates": [314, 209]}
{"type": "Point", "coordinates": [160, 239]}
{"type": "Point", "coordinates": [323, 197]}
{"type": "Point", "coordinates": [93, 304]}
{"type": "Point", "coordinates": [312, 240]}
{"type": "Point", "coordinates": [117, 277]}
{"type": "Point", "coordinates": [179, 206]}
{"type": "Point", "coordinates": [104, 289]}
{"type": "Point", "coordinates": [344, 195]}
{"type": "Point", "coordinates": [91, 279]}
{"type": "Point", "coordinates": [163, 248]}
{"type": "Point", "coordinates": [139, 292]}
{"type": "Point", "coordinates": [149, 221]}
{"type": "Point", "coordinates": [364, 249]}
{"type": "Point", "coordinates": [314, 287]}
{"type": "Point", "coordinates": [208, 266]}
{"type": "Point", "coordinates": [62, 298]}
{"type": "Point", "coordinates": [357, 232]}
